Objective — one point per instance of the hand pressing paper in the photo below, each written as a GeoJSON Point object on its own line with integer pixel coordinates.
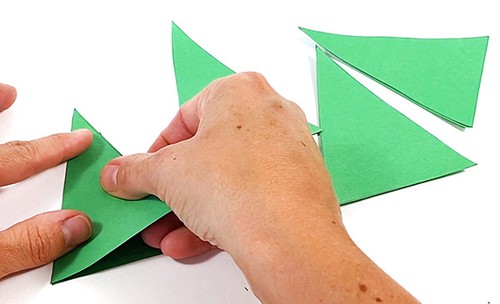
{"type": "Point", "coordinates": [117, 222]}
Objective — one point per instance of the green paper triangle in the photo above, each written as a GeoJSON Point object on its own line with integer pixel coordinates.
{"type": "Point", "coordinates": [441, 75]}
{"type": "Point", "coordinates": [116, 221]}
{"type": "Point", "coordinates": [195, 68]}
{"type": "Point", "coordinates": [368, 146]}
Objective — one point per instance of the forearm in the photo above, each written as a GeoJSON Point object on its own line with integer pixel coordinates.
{"type": "Point", "coordinates": [308, 257]}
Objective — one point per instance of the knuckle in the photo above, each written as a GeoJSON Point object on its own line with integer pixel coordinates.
{"type": "Point", "coordinates": [297, 111]}
{"type": "Point", "coordinates": [23, 150]}
{"type": "Point", "coordinates": [238, 88]}
{"type": "Point", "coordinates": [129, 170]}
{"type": "Point", "coordinates": [38, 245]}
{"type": "Point", "coordinates": [253, 81]}
{"type": "Point", "coordinates": [251, 77]}
{"type": "Point", "coordinates": [123, 176]}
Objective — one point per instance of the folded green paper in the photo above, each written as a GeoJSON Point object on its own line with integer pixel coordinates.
{"type": "Point", "coordinates": [369, 147]}
{"type": "Point", "coordinates": [441, 75]}
{"type": "Point", "coordinates": [117, 222]}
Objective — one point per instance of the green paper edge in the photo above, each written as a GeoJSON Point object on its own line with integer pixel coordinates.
{"type": "Point", "coordinates": [108, 245]}
{"type": "Point", "coordinates": [459, 122]}
{"type": "Point", "coordinates": [191, 77]}
{"type": "Point", "coordinates": [132, 250]}
{"type": "Point", "coordinates": [345, 166]}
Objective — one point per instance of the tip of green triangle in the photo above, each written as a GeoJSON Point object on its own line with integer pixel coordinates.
{"type": "Point", "coordinates": [442, 76]}
{"type": "Point", "coordinates": [194, 67]}
{"type": "Point", "coordinates": [79, 122]}
{"type": "Point", "coordinates": [314, 129]}
{"type": "Point", "coordinates": [369, 147]}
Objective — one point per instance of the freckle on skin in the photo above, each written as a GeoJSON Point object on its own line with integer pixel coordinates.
{"type": "Point", "coordinates": [174, 158]}
{"type": "Point", "coordinates": [238, 127]}
{"type": "Point", "coordinates": [363, 287]}
{"type": "Point", "coordinates": [377, 299]}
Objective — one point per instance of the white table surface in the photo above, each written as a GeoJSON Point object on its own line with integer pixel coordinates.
{"type": "Point", "coordinates": [112, 61]}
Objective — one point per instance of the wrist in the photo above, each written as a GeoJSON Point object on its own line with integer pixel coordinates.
{"type": "Point", "coordinates": [279, 243]}
{"type": "Point", "coordinates": [307, 256]}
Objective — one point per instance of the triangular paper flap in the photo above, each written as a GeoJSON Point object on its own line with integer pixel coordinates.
{"type": "Point", "coordinates": [195, 68]}
{"type": "Point", "coordinates": [441, 75]}
{"type": "Point", "coordinates": [368, 146]}
{"type": "Point", "coordinates": [115, 220]}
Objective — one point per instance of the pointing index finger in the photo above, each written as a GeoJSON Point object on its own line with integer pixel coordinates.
{"type": "Point", "coordinates": [22, 159]}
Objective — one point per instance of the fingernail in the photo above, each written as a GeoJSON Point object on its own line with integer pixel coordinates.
{"type": "Point", "coordinates": [10, 88]}
{"type": "Point", "coordinates": [76, 230]}
{"type": "Point", "coordinates": [82, 131]}
{"type": "Point", "coordinates": [108, 178]}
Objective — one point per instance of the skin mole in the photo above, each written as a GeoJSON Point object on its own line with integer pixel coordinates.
{"type": "Point", "coordinates": [377, 299]}
{"type": "Point", "coordinates": [363, 287]}
{"type": "Point", "coordinates": [238, 127]}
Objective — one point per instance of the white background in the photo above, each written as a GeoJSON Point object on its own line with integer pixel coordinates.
{"type": "Point", "coordinates": [112, 61]}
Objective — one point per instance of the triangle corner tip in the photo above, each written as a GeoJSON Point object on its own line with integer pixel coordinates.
{"type": "Point", "coordinates": [307, 31]}
{"type": "Point", "coordinates": [76, 113]}
{"type": "Point", "coordinates": [174, 25]}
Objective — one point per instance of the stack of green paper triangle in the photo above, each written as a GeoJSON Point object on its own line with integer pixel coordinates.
{"type": "Point", "coordinates": [369, 147]}
{"type": "Point", "coordinates": [440, 75]}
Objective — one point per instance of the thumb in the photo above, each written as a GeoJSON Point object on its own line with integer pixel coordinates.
{"type": "Point", "coordinates": [131, 177]}
{"type": "Point", "coordinates": [41, 239]}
